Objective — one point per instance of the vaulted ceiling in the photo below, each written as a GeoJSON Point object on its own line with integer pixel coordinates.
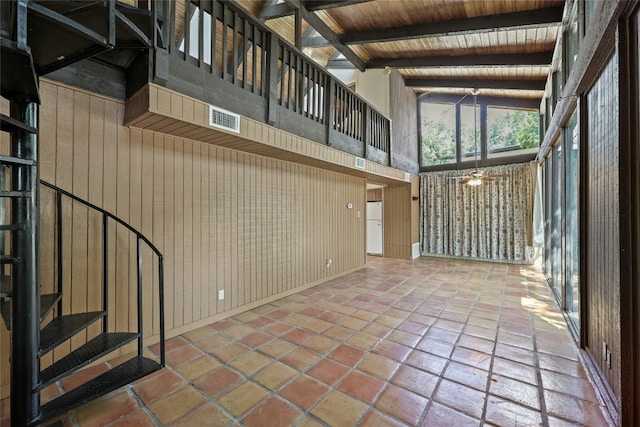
{"type": "Point", "coordinates": [502, 47]}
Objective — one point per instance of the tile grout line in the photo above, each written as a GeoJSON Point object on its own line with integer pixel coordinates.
{"type": "Point", "coordinates": [536, 360]}
{"type": "Point", "coordinates": [493, 353]}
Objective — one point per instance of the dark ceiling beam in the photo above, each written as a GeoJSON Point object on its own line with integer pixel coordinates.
{"type": "Point", "coordinates": [497, 101]}
{"type": "Point", "coordinates": [326, 32]}
{"type": "Point", "coordinates": [273, 11]}
{"type": "Point", "coordinates": [477, 83]}
{"type": "Point", "coordinates": [543, 58]}
{"type": "Point", "coordinates": [313, 5]}
{"type": "Point", "coordinates": [339, 64]}
{"type": "Point", "coordinates": [480, 24]}
{"type": "Point", "coordinates": [317, 41]}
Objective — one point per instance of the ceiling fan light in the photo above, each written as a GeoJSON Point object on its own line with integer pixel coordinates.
{"type": "Point", "coordinates": [474, 182]}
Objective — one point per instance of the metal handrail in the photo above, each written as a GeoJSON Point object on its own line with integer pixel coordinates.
{"type": "Point", "coordinates": [139, 238]}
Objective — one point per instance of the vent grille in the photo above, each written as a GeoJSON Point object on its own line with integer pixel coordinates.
{"type": "Point", "coordinates": [224, 119]}
{"type": "Point", "coordinates": [359, 162]}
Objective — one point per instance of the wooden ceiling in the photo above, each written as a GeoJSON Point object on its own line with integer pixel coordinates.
{"type": "Point", "coordinates": [501, 47]}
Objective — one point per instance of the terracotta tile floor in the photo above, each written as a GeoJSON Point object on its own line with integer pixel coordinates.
{"type": "Point", "coordinates": [430, 342]}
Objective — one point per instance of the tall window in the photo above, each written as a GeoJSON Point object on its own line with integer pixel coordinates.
{"type": "Point", "coordinates": [438, 122]}
{"type": "Point", "coordinates": [557, 230]}
{"type": "Point", "coordinates": [572, 145]}
{"type": "Point", "coordinates": [510, 130]}
{"type": "Point", "coordinates": [450, 131]}
{"type": "Point", "coordinates": [466, 131]}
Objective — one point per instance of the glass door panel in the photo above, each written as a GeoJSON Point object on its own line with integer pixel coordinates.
{"type": "Point", "coordinates": [572, 255]}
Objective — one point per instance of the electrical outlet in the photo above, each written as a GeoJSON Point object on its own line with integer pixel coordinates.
{"type": "Point", "coordinates": [220, 294]}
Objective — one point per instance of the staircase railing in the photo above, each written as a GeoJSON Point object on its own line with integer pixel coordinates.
{"type": "Point", "coordinates": [140, 239]}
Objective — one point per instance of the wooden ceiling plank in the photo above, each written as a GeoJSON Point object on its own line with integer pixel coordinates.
{"type": "Point", "coordinates": [474, 25]}
{"type": "Point", "coordinates": [543, 58]}
{"type": "Point", "coordinates": [326, 32]}
{"type": "Point", "coordinates": [478, 83]}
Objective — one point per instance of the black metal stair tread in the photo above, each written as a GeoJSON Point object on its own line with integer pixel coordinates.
{"type": "Point", "coordinates": [47, 302]}
{"type": "Point", "coordinates": [62, 328]}
{"type": "Point", "coordinates": [5, 259]}
{"type": "Point", "coordinates": [15, 194]}
{"type": "Point", "coordinates": [96, 348]}
{"type": "Point", "coordinates": [14, 160]}
{"type": "Point", "coordinates": [5, 286]}
{"type": "Point", "coordinates": [12, 227]}
{"type": "Point", "coordinates": [113, 379]}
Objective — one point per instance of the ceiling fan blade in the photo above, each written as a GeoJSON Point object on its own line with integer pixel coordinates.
{"type": "Point", "coordinates": [465, 180]}
{"type": "Point", "coordinates": [458, 177]}
{"type": "Point", "coordinates": [488, 178]}
{"type": "Point", "coordinates": [497, 175]}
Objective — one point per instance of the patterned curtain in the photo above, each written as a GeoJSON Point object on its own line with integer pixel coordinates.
{"type": "Point", "coordinates": [488, 222]}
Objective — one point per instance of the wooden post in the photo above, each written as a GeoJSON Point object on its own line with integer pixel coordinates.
{"type": "Point", "coordinates": [272, 78]}
{"type": "Point", "coordinates": [329, 106]}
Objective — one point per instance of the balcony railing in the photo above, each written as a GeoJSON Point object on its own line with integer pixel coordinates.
{"type": "Point", "coordinates": [221, 55]}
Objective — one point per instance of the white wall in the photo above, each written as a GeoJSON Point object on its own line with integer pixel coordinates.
{"type": "Point", "coordinates": [372, 85]}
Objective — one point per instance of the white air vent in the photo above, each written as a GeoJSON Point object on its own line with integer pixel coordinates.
{"type": "Point", "coordinates": [407, 177]}
{"type": "Point", "coordinates": [359, 162]}
{"type": "Point", "coordinates": [224, 119]}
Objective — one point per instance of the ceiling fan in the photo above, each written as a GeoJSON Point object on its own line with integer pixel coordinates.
{"type": "Point", "coordinates": [477, 176]}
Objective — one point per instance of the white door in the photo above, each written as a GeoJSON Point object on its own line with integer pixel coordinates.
{"type": "Point", "coordinates": [374, 228]}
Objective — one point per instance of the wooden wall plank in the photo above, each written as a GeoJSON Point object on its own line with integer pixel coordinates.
{"type": "Point", "coordinates": [169, 245]}
{"type": "Point", "coordinates": [178, 233]}
{"type": "Point", "coordinates": [95, 184]}
{"type": "Point", "coordinates": [159, 211]}
{"type": "Point", "coordinates": [63, 178]}
{"type": "Point", "coordinates": [122, 285]}
{"type": "Point", "coordinates": [149, 275]}
{"type": "Point", "coordinates": [187, 233]}
{"type": "Point", "coordinates": [197, 230]}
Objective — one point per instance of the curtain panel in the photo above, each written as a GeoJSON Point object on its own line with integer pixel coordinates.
{"type": "Point", "coordinates": [488, 222]}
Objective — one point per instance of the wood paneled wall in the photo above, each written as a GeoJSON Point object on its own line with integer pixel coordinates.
{"type": "Point", "coordinates": [403, 111]}
{"type": "Point", "coordinates": [397, 221]}
{"type": "Point", "coordinates": [603, 225]}
{"type": "Point", "coordinates": [256, 227]}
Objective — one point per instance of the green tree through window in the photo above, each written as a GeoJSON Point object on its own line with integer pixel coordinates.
{"type": "Point", "coordinates": [438, 143]}
{"type": "Point", "coordinates": [512, 129]}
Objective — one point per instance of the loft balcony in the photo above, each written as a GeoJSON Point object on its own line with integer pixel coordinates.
{"type": "Point", "coordinates": [215, 53]}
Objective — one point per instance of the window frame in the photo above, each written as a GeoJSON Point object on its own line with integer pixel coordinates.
{"type": "Point", "coordinates": [483, 102]}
